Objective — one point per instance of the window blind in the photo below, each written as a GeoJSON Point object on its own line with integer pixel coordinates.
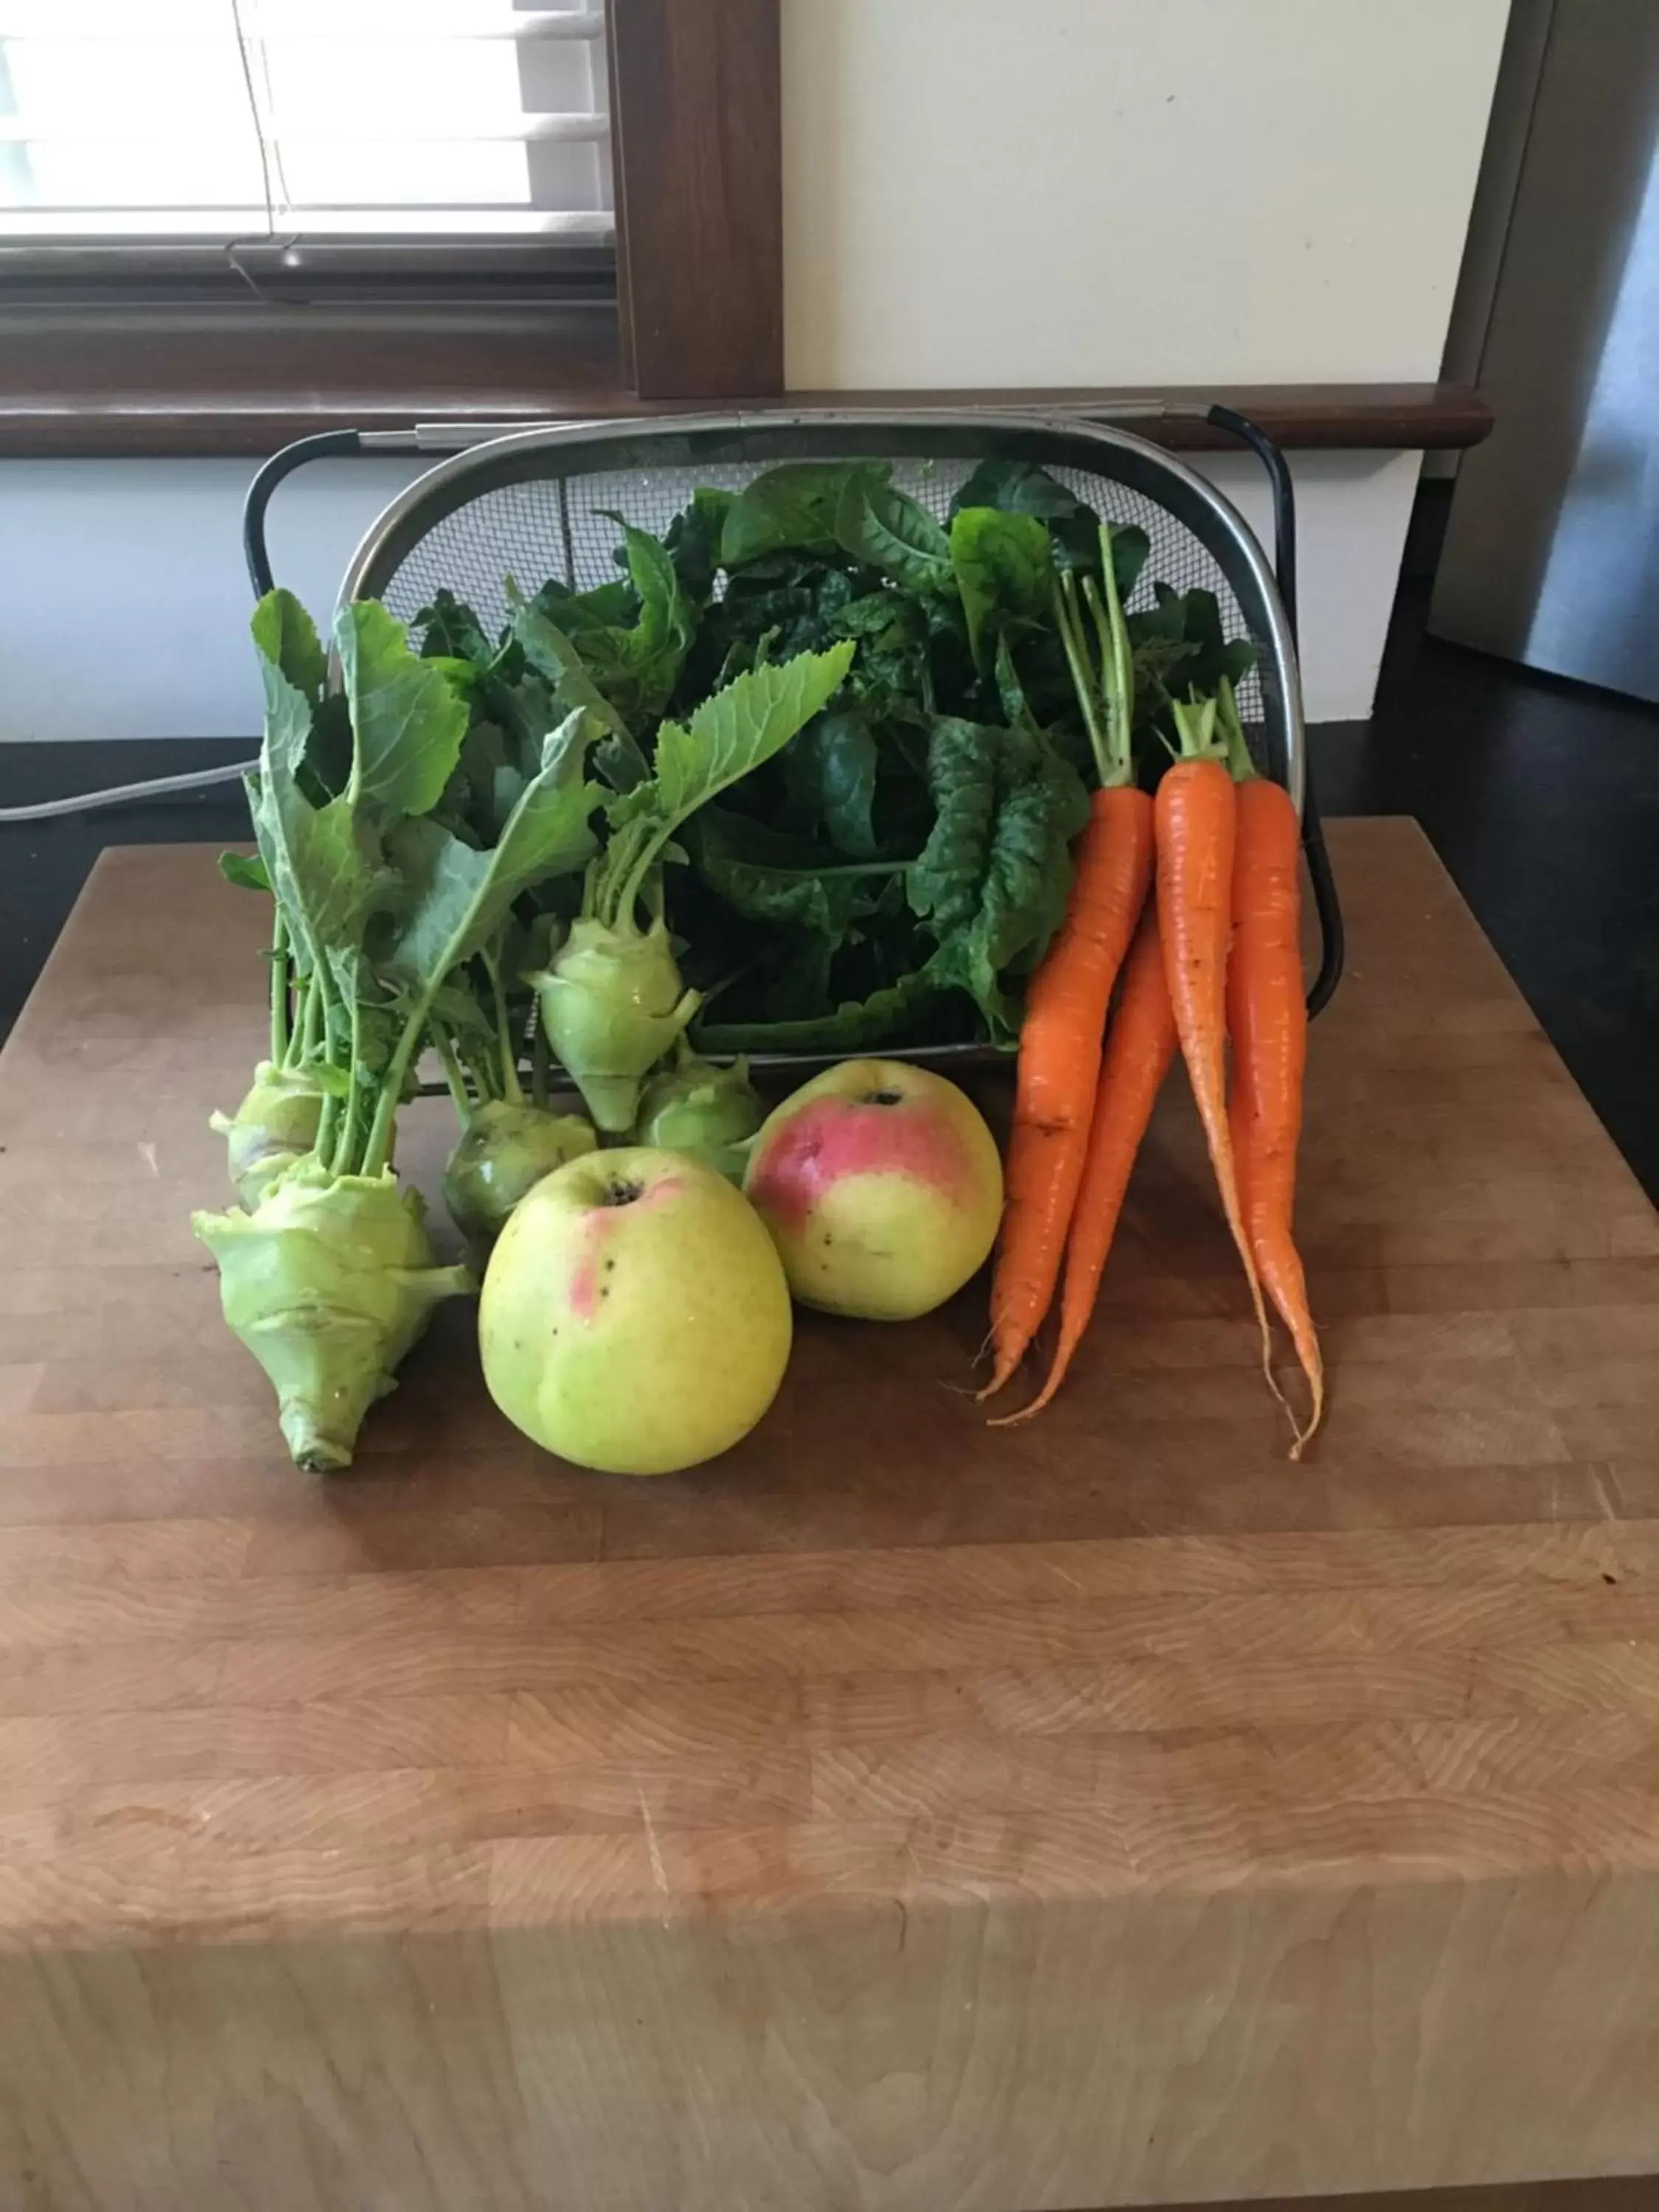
{"type": "Point", "coordinates": [276, 122]}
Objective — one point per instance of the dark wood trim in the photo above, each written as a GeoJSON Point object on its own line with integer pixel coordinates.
{"type": "Point", "coordinates": [1634, 2194]}
{"type": "Point", "coordinates": [697, 134]}
{"type": "Point", "coordinates": [116, 386]}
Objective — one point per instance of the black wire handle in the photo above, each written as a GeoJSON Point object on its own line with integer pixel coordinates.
{"type": "Point", "coordinates": [1325, 902]}
{"type": "Point", "coordinates": [254, 551]}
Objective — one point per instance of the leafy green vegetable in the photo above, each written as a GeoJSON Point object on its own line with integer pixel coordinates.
{"type": "Point", "coordinates": [248, 874]}
{"type": "Point", "coordinates": [328, 1284]}
{"type": "Point", "coordinates": [793, 509]}
{"type": "Point", "coordinates": [1003, 570]}
{"type": "Point", "coordinates": [708, 1111]}
{"type": "Point", "coordinates": [504, 1151]}
{"type": "Point", "coordinates": [993, 881]}
{"type": "Point", "coordinates": [830, 770]}
{"type": "Point", "coordinates": [892, 1012]}
{"type": "Point", "coordinates": [881, 526]}
{"type": "Point", "coordinates": [693, 540]}
{"type": "Point", "coordinates": [407, 719]}
{"type": "Point", "coordinates": [613, 1002]}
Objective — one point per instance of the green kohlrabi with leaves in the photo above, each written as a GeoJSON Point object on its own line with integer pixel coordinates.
{"type": "Point", "coordinates": [330, 1275]}
{"type": "Point", "coordinates": [695, 1107]}
{"type": "Point", "coordinates": [612, 1000]}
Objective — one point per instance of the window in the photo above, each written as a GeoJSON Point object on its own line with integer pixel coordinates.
{"type": "Point", "coordinates": [264, 137]}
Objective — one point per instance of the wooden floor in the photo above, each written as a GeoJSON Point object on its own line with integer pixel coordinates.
{"type": "Point", "coordinates": [895, 1815]}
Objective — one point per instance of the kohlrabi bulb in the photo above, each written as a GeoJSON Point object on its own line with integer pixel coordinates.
{"type": "Point", "coordinates": [274, 1125]}
{"type": "Point", "coordinates": [613, 1004]}
{"type": "Point", "coordinates": [709, 1111]}
{"type": "Point", "coordinates": [505, 1150]}
{"type": "Point", "coordinates": [328, 1282]}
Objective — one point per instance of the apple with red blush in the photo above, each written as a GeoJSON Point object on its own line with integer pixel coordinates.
{"type": "Point", "coordinates": [881, 1188]}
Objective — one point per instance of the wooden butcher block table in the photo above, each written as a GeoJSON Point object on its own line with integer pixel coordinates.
{"type": "Point", "coordinates": [898, 1815]}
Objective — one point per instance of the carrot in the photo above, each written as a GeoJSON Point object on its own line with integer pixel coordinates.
{"type": "Point", "coordinates": [1195, 818]}
{"type": "Point", "coordinates": [1139, 1046]}
{"type": "Point", "coordinates": [1267, 1023]}
{"type": "Point", "coordinates": [1066, 1003]}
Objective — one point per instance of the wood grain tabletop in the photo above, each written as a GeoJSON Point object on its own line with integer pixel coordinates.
{"type": "Point", "coordinates": [896, 1815]}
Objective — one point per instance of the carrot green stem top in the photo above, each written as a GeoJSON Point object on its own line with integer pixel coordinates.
{"type": "Point", "coordinates": [1241, 767]}
{"type": "Point", "coordinates": [1106, 698]}
{"type": "Point", "coordinates": [1196, 731]}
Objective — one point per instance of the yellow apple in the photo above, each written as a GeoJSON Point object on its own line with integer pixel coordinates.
{"type": "Point", "coordinates": [881, 1188]}
{"type": "Point", "coordinates": [635, 1318]}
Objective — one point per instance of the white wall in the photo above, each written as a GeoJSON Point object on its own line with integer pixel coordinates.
{"type": "Point", "coordinates": [1146, 193]}
{"type": "Point", "coordinates": [124, 601]}
{"type": "Point", "coordinates": [1127, 192]}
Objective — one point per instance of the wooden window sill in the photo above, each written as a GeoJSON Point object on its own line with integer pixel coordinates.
{"type": "Point", "coordinates": [116, 385]}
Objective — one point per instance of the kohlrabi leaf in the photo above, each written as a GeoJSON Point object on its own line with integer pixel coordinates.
{"type": "Point", "coordinates": [321, 861]}
{"type": "Point", "coordinates": [883, 528]}
{"type": "Point", "coordinates": [555, 656]}
{"type": "Point", "coordinates": [286, 636]}
{"type": "Point", "coordinates": [733, 733]}
{"type": "Point", "coordinates": [457, 896]}
{"type": "Point", "coordinates": [248, 873]}
{"type": "Point", "coordinates": [1003, 570]}
{"type": "Point", "coordinates": [407, 718]}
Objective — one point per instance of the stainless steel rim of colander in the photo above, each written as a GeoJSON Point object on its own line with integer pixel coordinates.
{"type": "Point", "coordinates": [1099, 439]}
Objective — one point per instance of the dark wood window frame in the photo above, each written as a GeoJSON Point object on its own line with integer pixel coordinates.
{"type": "Point", "coordinates": [690, 313]}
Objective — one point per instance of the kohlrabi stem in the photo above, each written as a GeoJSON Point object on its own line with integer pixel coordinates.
{"type": "Point", "coordinates": [453, 1073]}
{"type": "Point", "coordinates": [345, 1144]}
{"type": "Point", "coordinates": [302, 1036]}
{"type": "Point", "coordinates": [540, 1063]}
{"type": "Point", "coordinates": [506, 1050]}
{"type": "Point", "coordinates": [279, 1034]}
{"type": "Point", "coordinates": [379, 1148]}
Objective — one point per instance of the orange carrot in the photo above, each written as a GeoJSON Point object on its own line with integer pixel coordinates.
{"type": "Point", "coordinates": [1267, 1023]}
{"type": "Point", "coordinates": [1195, 817]}
{"type": "Point", "coordinates": [1067, 998]}
{"type": "Point", "coordinates": [1139, 1046]}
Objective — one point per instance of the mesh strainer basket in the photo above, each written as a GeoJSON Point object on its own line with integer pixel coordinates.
{"type": "Point", "coordinates": [542, 502]}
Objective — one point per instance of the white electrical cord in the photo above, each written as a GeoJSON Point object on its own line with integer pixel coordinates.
{"type": "Point", "coordinates": [85, 802]}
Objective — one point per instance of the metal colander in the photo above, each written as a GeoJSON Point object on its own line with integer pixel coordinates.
{"type": "Point", "coordinates": [543, 501]}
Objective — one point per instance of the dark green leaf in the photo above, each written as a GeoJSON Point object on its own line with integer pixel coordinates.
{"type": "Point", "coordinates": [1021, 488]}
{"type": "Point", "coordinates": [883, 528]}
{"type": "Point", "coordinates": [943, 883]}
{"type": "Point", "coordinates": [768, 880]}
{"type": "Point", "coordinates": [894, 1014]}
{"type": "Point", "coordinates": [693, 540]}
{"type": "Point", "coordinates": [993, 881]}
{"type": "Point", "coordinates": [792, 508]}
{"type": "Point", "coordinates": [450, 630]}
{"type": "Point", "coordinates": [830, 770]}
{"type": "Point", "coordinates": [1003, 572]}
